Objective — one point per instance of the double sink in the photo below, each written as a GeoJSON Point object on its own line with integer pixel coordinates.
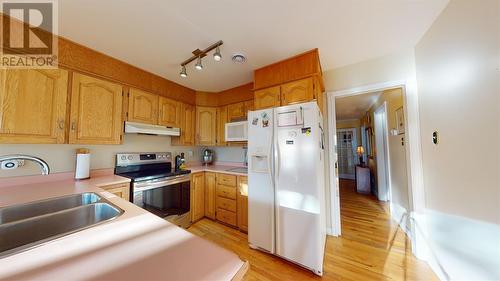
{"type": "Point", "coordinates": [28, 225]}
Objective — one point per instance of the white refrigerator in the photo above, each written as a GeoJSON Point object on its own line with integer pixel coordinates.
{"type": "Point", "coordinates": [286, 185]}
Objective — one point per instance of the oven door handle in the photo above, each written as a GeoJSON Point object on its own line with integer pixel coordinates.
{"type": "Point", "coordinates": [152, 184]}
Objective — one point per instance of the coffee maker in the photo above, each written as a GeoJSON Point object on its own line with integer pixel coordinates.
{"type": "Point", "coordinates": [180, 162]}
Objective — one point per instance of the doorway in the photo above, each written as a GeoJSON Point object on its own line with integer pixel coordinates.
{"type": "Point", "coordinates": [391, 138]}
{"type": "Point", "coordinates": [346, 150]}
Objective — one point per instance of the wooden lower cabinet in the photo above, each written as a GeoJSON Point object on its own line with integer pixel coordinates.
{"type": "Point", "coordinates": [210, 195]}
{"type": "Point", "coordinates": [197, 196]}
{"type": "Point", "coordinates": [220, 197]}
{"type": "Point", "coordinates": [242, 203]}
{"type": "Point", "coordinates": [121, 190]}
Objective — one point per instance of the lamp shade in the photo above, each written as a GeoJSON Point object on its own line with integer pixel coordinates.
{"type": "Point", "coordinates": [360, 150]}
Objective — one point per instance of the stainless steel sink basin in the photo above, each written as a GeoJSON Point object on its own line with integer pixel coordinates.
{"type": "Point", "coordinates": [238, 170]}
{"type": "Point", "coordinates": [41, 224]}
{"type": "Point", "coordinates": [42, 207]}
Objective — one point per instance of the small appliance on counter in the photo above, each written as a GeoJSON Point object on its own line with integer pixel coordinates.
{"type": "Point", "coordinates": [208, 157]}
{"type": "Point", "coordinates": [180, 162]}
{"type": "Point", "coordinates": [82, 170]}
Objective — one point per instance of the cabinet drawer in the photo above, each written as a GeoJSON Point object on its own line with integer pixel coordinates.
{"type": "Point", "coordinates": [226, 204]}
{"type": "Point", "coordinates": [226, 191]}
{"type": "Point", "coordinates": [226, 179]}
{"type": "Point", "coordinates": [113, 186]}
{"type": "Point", "coordinates": [226, 217]}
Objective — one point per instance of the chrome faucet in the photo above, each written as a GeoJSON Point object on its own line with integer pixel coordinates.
{"type": "Point", "coordinates": [43, 165]}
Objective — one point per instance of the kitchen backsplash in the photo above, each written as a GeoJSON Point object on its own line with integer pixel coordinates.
{"type": "Point", "coordinates": [61, 157]}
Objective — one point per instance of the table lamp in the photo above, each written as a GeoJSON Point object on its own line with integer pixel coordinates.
{"type": "Point", "coordinates": [360, 150]}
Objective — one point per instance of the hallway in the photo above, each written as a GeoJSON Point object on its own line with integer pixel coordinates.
{"type": "Point", "coordinates": [371, 247]}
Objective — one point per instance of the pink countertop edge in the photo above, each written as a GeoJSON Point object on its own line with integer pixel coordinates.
{"type": "Point", "coordinates": [135, 246]}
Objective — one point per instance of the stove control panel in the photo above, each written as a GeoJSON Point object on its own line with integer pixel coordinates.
{"type": "Point", "coordinates": [126, 159]}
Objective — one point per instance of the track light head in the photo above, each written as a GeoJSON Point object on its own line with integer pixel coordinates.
{"type": "Point", "coordinates": [198, 64]}
{"type": "Point", "coordinates": [217, 54]}
{"type": "Point", "coordinates": [183, 72]}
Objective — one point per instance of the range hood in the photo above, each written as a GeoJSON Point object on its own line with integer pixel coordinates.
{"type": "Point", "coordinates": [140, 128]}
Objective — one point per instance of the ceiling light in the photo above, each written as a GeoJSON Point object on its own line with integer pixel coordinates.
{"type": "Point", "coordinates": [217, 55]}
{"type": "Point", "coordinates": [198, 64]}
{"type": "Point", "coordinates": [183, 71]}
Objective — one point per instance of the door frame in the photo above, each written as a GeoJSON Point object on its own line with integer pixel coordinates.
{"type": "Point", "coordinates": [413, 152]}
{"type": "Point", "coordinates": [355, 144]}
{"type": "Point", "coordinates": [384, 190]}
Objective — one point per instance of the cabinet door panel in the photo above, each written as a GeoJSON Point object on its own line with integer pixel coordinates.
{"type": "Point", "coordinates": [242, 203]}
{"type": "Point", "coordinates": [236, 112]}
{"type": "Point", "coordinates": [189, 125]}
{"type": "Point", "coordinates": [210, 195]}
{"type": "Point", "coordinates": [96, 111]}
{"type": "Point", "coordinates": [221, 125]}
{"type": "Point", "coordinates": [249, 106]}
{"type": "Point", "coordinates": [142, 107]}
{"type": "Point", "coordinates": [168, 112]}
{"type": "Point", "coordinates": [269, 97]}
{"type": "Point", "coordinates": [198, 196]}
{"type": "Point", "coordinates": [297, 91]}
{"type": "Point", "coordinates": [206, 125]}
{"type": "Point", "coordinates": [33, 106]}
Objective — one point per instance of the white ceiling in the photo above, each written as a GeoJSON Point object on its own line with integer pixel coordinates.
{"type": "Point", "coordinates": [157, 35]}
{"type": "Point", "coordinates": [354, 107]}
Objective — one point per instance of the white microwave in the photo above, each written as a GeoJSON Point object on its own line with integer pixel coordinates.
{"type": "Point", "coordinates": [236, 131]}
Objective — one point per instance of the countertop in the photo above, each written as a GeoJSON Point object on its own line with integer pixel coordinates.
{"type": "Point", "coordinates": [135, 246]}
{"type": "Point", "coordinates": [216, 169]}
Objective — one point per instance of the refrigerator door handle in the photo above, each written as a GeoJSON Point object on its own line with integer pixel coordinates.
{"type": "Point", "coordinates": [276, 196]}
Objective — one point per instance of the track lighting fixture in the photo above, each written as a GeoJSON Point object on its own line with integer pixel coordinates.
{"type": "Point", "coordinates": [217, 55]}
{"type": "Point", "coordinates": [198, 55]}
{"type": "Point", "coordinates": [198, 64]}
{"type": "Point", "coordinates": [183, 71]}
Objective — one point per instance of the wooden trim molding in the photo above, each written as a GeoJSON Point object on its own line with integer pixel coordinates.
{"type": "Point", "coordinates": [229, 96]}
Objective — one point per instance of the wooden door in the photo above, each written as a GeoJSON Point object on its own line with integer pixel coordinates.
{"type": "Point", "coordinates": [236, 112]}
{"type": "Point", "coordinates": [168, 112]}
{"type": "Point", "coordinates": [266, 98]}
{"type": "Point", "coordinates": [242, 203]}
{"type": "Point", "coordinates": [33, 106]}
{"type": "Point", "coordinates": [297, 91]}
{"type": "Point", "coordinates": [221, 125]}
{"type": "Point", "coordinates": [210, 195]}
{"type": "Point", "coordinates": [142, 107]}
{"type": "Point", "coordinates": [197, 196]}
{"type": "Point", "coordinates": [206, 125]}
{"type": "Point", "coordinates": [96, 111]}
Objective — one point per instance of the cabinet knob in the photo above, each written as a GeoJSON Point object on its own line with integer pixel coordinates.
{"type": "Point", "coordinates": [60, 123]}
{"type": "Point", "coordinates": [73, 126]}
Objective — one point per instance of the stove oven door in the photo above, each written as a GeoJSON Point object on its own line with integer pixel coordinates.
{"type": "Point", "coordinates": [167, 198]}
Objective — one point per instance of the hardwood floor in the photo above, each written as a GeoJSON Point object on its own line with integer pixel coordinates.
{"type": "Point", "coordinates": [372, 246]}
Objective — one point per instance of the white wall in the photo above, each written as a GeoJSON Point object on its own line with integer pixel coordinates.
{"type": "Point", "coordinates": [229, 154]}
{"type": "Point", "coordinates": [458, 74]}
{"type": "Point", "coordinates": [61, 158]}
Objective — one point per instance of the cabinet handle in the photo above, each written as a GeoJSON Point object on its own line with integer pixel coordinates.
{"type": "Point", "coordinates": [73, 126]}
{"type": "Point", "coordinates": [60, 123]}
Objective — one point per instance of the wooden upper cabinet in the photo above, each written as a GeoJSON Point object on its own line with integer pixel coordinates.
{"type": "Point", "coordinates": [249, 106]}
{"type": "Point", "coordinates": [267, 76]}
{"type": "Point", "coordinates": [269, 97]}
{"type": "Point", "coordinates": [142, 107]}
{"type": "Point", "coordinates": [33, 106]}
{"type": "Point", "coordinates": [301, 66]}
{"type": "Point", "coordinates": [187, 125]}
{"type": "Point", "coordinates": [236, 112]}
{"type": "Point", "coordinates": [206, 125]}
{"type": "Point", "coordinates": [221, 125]}
{"type": "Point", "coordinates": [96, 111]}
{"type": "Point", "coordinates": [297, 91]}
{"type": "Point", "coordinates": [210, 195]}
{"type": "Point", "coordinates": [168, 112]}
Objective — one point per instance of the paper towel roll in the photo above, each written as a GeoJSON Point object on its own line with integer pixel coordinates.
{"type": "Point", "coordinates": [82, 170]}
